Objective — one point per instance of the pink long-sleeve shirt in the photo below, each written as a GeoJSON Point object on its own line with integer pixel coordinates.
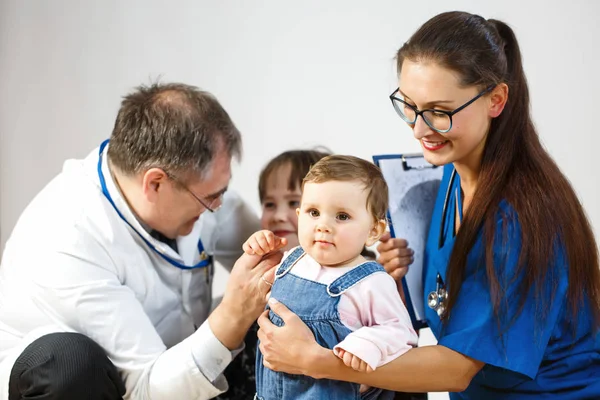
{"type": "Point", "coordinates": [372, 309]}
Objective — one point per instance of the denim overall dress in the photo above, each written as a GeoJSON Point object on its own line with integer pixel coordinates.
{"type": "Point", "coordinates": [316, 305]}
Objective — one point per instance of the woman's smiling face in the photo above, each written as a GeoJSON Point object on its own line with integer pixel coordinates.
{"type": "Point", "coordinates": [427, 85]}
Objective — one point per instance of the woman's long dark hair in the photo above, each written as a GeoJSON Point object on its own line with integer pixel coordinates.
{"type": "Point", "coordinates": [515, 167]}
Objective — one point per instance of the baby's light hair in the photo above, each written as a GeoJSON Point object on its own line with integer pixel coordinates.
{"type": "Point", "coordinates": [350, 168]}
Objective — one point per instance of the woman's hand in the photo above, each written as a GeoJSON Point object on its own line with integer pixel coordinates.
{"type": "Point", "coordinates": [394, 255]}
{"type": "Point", "coordinates": [291, 348]}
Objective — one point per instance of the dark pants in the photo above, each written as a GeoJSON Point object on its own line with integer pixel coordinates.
{"type": "Point", "coordinates": [240, 374]}
{"type": "Point", "coordinates": [64, 366]}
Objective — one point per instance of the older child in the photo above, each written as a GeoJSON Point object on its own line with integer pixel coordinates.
{"type": "Point", "coordinates": [352, 305]}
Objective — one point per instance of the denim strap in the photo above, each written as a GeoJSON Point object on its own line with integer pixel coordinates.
{"type": "Point", "coordinates": [352, 277]}
{"type": "Point", "coordinates": [289, 262]}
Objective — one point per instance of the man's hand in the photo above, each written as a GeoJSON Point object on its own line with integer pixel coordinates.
{"type": "Point", "coordinates": [245, 297]}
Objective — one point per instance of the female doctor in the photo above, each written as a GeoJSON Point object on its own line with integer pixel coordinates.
{"type": "Point", "coordinates": [511, 266]}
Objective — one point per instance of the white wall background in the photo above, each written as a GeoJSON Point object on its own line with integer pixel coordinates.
{"type": "Point", "coordinates": [291, 74]}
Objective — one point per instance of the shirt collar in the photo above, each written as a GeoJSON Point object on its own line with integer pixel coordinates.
{"type": "Point", "coordinates": [120, 202]}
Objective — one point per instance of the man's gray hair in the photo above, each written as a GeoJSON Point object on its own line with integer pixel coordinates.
{"type": "Point", "coordinates": [175, 127]}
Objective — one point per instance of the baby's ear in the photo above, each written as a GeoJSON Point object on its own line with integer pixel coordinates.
{"type": "Point", "coordinates": [376, 232]}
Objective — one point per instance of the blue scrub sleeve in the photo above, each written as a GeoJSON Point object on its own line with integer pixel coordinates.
{"type": "Point", "coordinates": [473, 329]}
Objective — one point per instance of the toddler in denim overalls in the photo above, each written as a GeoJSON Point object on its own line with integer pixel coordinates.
{"type": "Point", "coordinates": [352, 306]}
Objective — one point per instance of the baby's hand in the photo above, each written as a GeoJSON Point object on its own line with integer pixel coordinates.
{"type": "Point", "coordinates": [263, 242]}
{"type": "Point", "coordinates": [354, 362]}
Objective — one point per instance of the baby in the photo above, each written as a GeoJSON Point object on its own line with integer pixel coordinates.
{"type": "Point", "coordinates": [351, 305]}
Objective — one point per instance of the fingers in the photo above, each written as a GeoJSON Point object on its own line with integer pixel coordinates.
{"type": "Point", "coordinates": [396, 259]}
{"type": "Point", "coordinates": [362, 366]}
{"type": "Point", "coordinates": [350, 360]}
{"type": "Point", "coordinates": [397, 264]}
{"type": "Point", "coordinates": [264, 323]}
{"type": "Point", "coordinates": [247, 247]}
{"type": "Point", "coordinates": [284, 313]}
{"type": "Point", "coordinates": [267, 263]}
{"type": "Point", "coordinates": [280, 242]}
{"type": "Point", "coordinates": [347, 358]}
{"type": "Point", "coordinates": [385, 255]}
{"type": "Point", "coordinates": [399, 273]}
{"type": "Point", "coordinates": [355, 363]}
{"type": "Point", "coordinates": [264, 274]}
{"type": "Point", "coordinates": [391, 244]}
{"type": "Point", "coordinates": [264, 242]}
{"type": "Point", "coordinates": [264, 288]}
{"type": "Point", "coordinates": [266, 281]}
{"type": "Point", "coordinates": [269, 276]}
{"type": "Point", "coordinates": [385, 237]}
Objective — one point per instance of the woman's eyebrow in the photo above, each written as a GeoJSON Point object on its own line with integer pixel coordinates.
{"type": "Point", "coordinates": [429, 104]}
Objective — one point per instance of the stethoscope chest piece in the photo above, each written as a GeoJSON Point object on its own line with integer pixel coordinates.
{"type": "Point", "coordinates": [436, 300]}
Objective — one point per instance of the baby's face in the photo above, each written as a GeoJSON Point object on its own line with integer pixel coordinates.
{"type": "Point", "coordinates": [334, 223]}
{"type": "Point", "coordinates": [279, 207]}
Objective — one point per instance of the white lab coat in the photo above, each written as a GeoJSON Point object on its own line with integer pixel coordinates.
{"type": "Point", "coordinates": [73, 265]}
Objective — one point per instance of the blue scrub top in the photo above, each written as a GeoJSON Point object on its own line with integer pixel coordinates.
{"type": "Point", "coordinates": [534, 358]}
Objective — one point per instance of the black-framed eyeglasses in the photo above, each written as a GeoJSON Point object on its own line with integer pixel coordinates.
{"type": "Point", "coordinates": [438, 120]}
{"type": "Point", "coordinates": [209, 206]}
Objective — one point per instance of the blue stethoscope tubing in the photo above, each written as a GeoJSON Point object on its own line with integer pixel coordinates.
{"type": "Point", "coordinates": [206, 262]}
{"type": "Point", "coordinates": [442, 236]}
{"type": "Point", "coordinates": [436, 299]}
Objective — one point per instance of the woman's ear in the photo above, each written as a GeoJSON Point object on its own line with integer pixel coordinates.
{"type": "Point", "coordinates": [498, 99]}
{"type": "Point", "coordinates": [376, 232]}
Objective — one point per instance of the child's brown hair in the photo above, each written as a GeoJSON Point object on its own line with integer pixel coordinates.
{"type": "Point", "coordinates": [350, 168]}
{"type": "Point", "coordinates": [300, 162]}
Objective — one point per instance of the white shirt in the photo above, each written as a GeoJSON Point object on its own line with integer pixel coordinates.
{"type": "Point", "coordinates": [372, 309]}
{"type": "Point", "coordinates": [73, 265]}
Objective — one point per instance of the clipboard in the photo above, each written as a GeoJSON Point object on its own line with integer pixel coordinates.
{"type": "Point", "coordinates": [413, 185]}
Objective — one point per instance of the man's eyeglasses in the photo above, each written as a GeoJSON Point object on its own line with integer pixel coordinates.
{"type": "Point", "coordinates": [438, 120]}
{"type": "Point", "coordinates": [212, 201]}
{"type": "Point", "coordinates": [208, 204]}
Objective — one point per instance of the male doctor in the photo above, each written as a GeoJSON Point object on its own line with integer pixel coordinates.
{"type": "Point", "coordinates": [105, 283]}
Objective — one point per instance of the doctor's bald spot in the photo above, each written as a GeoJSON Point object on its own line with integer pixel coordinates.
{"type": "Point", "coordinates": [176, 127]}
{"type": "Point", "coordinates": [350, 168]}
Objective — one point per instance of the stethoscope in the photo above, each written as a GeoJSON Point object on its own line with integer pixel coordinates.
{"type": "Point", "coordinates": [436, 300]}
{"type": "Point", "coordinates": [205, 259]}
